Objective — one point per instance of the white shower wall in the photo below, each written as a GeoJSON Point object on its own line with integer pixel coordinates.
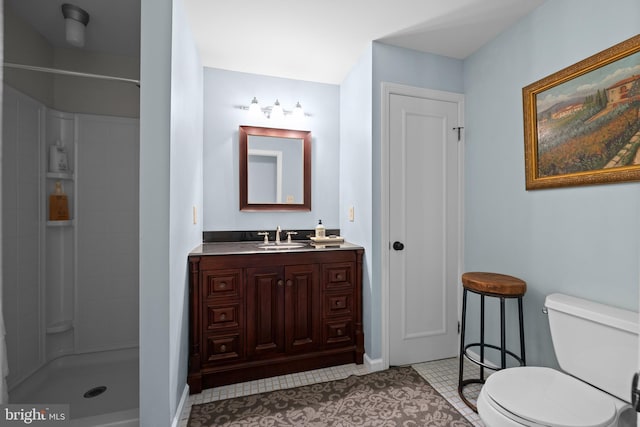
{"type": "Point", "coordinates": [107, 232]}
{"type": "Point", "coordinates": [84, 274]}
{"type": "Point", "coordinates": [21, 233]}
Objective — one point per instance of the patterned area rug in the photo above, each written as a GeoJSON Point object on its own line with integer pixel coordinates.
{"type": "Point", "coordinates": [395, 397]}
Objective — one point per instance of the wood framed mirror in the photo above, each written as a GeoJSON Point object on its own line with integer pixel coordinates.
{"type": "Point", "coordinates": [275, 169]}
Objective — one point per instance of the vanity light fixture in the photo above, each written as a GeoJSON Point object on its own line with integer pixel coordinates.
{"type": "Point", "coordinates": [274, 111]}
{"type": "Point", "coordinates": [75, 21]}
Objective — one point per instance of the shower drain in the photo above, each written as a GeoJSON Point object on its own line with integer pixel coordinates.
{"type": "Point", "coordinates": [96, 391]}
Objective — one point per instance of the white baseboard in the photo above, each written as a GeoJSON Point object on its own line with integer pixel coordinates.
{"type": "Point", "coordinates": [183, 400]}
{"type": "Point", "coordinates": [373, 365]}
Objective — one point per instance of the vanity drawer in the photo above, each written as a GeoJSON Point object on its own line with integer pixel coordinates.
{"type": "Point", "coordinates": [338, 332]}
{"type": "Point", "coordinates": [222, 283]}
{"type": "Point", "coordinates": [338, 276]}
{"type": "Point", "coordinates": [338, 304]}
{"type": "Point", "coordinates": [223, 317]}
{"type": "Point", "coordinates": [223, 347]}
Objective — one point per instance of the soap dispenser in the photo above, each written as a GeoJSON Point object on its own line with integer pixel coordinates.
{"type": "Point", "coordinates": [58, 204]}
{"type": "Point", "coordinates": [320, 230]}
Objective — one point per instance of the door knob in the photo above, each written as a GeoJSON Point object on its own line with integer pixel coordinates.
{"type": "Point", "coordinates": [398, 246]}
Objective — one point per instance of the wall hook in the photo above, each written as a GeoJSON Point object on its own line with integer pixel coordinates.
{"type": "Point", "coordinates": [459, 128]}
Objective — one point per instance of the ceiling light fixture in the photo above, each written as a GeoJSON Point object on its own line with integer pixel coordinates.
{"type": "Point", "coordinates": [274, 111]}
{"type": "Point", "coordinates": [75, 20]}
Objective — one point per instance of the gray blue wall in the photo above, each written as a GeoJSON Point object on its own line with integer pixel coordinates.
{"type": "Point", "coordinates": [226, 91]}
{"type": "Point", "coordinates": [186, 191]}
{"type": "Point", "coordinates": [355, 176]}
{"type": "Point", "coordinates": [408, 67]}
{"type": "Point", "coordinates": [170, 185]}
{"type": "Point", "coordinates": [582, 241]}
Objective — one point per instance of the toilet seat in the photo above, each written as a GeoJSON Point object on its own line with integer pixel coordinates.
{"type": "Point", "coordinates": [544, 396]}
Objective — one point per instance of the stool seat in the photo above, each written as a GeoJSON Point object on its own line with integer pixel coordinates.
{"type": "Point", "coordinates": [494, 284]}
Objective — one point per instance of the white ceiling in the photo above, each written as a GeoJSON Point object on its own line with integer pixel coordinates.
{"type": "Point", "coordinates": [321, 40]}
{"type": "Point", "coordinates": [298, 39]}
{"type": "Point", "coordinates": [114, 25]}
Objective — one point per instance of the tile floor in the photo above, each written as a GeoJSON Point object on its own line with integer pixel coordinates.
{"type": "Point", "coordinates": [441, 374]}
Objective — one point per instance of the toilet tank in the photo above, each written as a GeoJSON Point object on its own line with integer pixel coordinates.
{"type": "Point", "coordinates": [594, 342]}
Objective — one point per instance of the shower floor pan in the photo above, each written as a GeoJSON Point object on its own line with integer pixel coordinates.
{"type": "Point", "coordinates": [108, 379]}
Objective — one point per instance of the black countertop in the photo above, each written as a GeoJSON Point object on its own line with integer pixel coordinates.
{"type": "Point", "coordinates": [238, 248]}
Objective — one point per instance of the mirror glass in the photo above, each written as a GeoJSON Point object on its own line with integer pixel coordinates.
{"type": "Point", "coordinates": [275, 169]}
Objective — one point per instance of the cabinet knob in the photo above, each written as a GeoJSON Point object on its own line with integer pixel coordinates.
{"type": "Point", "coordinates": [223, 285]}
{"type": "Point", "coordinates": [339, 277]}
{"type": "Point", "coordinates": [289, 283]}
{"type": "Point", "coordinates": [280, 283]}
{"type": "Point", "coordinates": [223, 348]}
{"type": "Point", "coordinates": [339, 331]}
{"type": "Point", "coordinates": [223, 316]}
{"type": "Point", "coordinates": [338, 304]}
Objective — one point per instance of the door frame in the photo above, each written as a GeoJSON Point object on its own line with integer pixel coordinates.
{"type": "Point", "coordinates": [387, 90]}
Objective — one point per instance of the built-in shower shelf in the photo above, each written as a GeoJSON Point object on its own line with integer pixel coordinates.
{"type": "Point", "coordinates": [56, 328]}
{"type": "Point", "coordinates": [60, 175]}
{"type": "Point", "coordinates": [68, 223]}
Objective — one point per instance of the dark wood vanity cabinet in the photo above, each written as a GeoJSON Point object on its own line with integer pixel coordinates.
{"type": "Point", "coordinates": [283, 310]}
{"type": "Point", "coordinates": [259, 315]}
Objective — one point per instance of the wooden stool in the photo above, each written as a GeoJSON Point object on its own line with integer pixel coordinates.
{"type": "Point", "coordinates": [491, 285]}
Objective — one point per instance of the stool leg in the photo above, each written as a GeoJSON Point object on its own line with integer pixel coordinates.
{"type": "Point", "coordinates": [503, 336]}
{"type": "Point", "coordinates": [462, 326]}
{"type": "Point", "coordinates": [521, 331]}
{"type": "Point", "coordinates": [482, 336]}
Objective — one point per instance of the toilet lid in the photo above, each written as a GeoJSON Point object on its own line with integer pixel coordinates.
{"type": "Point", "coordinates": [548, 397]}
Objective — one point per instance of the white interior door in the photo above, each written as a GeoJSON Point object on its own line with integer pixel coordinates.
{"type": "Point", "coordinates": [424, 228]}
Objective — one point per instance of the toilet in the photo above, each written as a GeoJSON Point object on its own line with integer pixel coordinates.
{"type": "Point", "coordinates": [597, 349]}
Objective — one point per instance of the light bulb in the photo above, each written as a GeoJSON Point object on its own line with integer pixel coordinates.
{"type": "Point", "coordinates": [254, 107]}
{"type": "Point", "coordinates": [277, 112]}
{"type": "Point", "coordinates": [298, 112]}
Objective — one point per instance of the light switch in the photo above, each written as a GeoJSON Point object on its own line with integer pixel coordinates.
{"type": "Point", "coordinates": [351, 214]}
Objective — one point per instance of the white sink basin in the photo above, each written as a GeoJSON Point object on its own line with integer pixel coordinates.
{"type": "Point", "coordinates": [281, 246]}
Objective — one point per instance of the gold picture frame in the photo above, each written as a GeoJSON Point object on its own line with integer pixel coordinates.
{"type": "Point", "coordinates": [582, 123]}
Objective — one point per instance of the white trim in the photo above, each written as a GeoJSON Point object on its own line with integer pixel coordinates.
{"type": "Point", "coordinates": [177, 417]}
{"type": "Point", "coordinates": [278, 156]}
{"type": "Point", "coordinates": [387, 90]}
{"type": "Point", "coordinates": [373, 365]}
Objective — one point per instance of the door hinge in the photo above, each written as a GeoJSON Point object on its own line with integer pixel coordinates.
{"type": "Point", "coordinates": [458, 327]}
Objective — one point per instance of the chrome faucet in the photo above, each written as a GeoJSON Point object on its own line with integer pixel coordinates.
{"type": "Point", "coordinates": [278, 230]}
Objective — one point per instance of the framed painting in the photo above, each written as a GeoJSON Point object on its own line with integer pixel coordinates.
{"type": "Point", "coordinates": [582, 124]}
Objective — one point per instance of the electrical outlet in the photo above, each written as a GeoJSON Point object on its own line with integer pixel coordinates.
{"type": "Point", "coordinates": [351, 214]}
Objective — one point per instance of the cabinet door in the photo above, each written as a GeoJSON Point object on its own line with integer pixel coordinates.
{"type": "Point", "coordinates": [302, 308]}
{"type": "Point", "coordinates": [265, 311]}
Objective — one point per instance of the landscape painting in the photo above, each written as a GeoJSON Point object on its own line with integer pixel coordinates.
{"type": "Point", "coordinates": [582, 124]}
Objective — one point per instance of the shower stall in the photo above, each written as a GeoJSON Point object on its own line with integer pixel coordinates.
{"type": "Point", "coordinates": [70, 285]}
